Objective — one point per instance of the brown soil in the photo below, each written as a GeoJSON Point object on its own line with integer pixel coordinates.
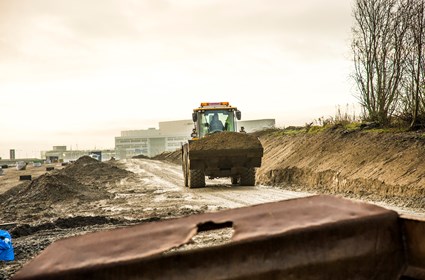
{"type": "Point", "coordinates": [362, 164]}
{"type": "Point", "coordinates": [89, 195]}
{"type": "Point", "coordinates": [50, 189]}
{"type": "Point", "coordinates": [56, 204]}
{"type": "Point", "coordinates": [174, 157]}
{"type": "Point", "coordinates": [42, 198]}
{"type": "Point", "coordinates": [140, 156]}
{"type": "Point", "coordinates": [11, 175]}
{"type": "Point", "coordinates": [90, 171]}
{"type": "Point", "coordinates": [226, 140]}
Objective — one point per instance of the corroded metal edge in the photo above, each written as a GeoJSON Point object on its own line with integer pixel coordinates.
{"type": "Point", "coordinates": [311, 238]}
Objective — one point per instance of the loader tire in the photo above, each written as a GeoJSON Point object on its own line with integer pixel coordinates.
{"type": "Point", "coordinates": [185, 165]}
{"type": "Point", "coordinates": [248, 177]}
{"type": "Point", "coordinates": [196, 178]}
{"type": "Point", "coordinates": [234, 180]}
{"type": "Point", "coordinates": [185, 169]}
{"type": "Point", "coordinates": [185, 173]}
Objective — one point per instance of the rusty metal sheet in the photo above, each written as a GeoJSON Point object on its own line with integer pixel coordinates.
{"type": "Point", "coordinates": [414, 237]}
{"type": "Point", "coordinates": [319, 237]}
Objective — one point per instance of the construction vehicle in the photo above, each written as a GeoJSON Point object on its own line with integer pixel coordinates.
{"type": "Point", "coordinates": [217, 150]}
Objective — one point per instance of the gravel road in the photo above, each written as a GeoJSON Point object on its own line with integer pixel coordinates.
{"type": "Point", "coordinates": [219, 193]}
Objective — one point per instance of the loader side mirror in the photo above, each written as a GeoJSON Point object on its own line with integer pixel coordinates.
{"type": "Point", "coordinates": [238, 115]}
{"type": "Point", "coordinates": [194, 117]}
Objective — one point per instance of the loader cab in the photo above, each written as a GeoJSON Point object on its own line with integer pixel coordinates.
{"type": "Point", "coordinates": [213, 118]}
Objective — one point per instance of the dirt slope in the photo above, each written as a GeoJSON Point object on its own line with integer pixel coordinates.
{"type": "Point", "coordinates": [174, 157]}
{"type": "Point", "coordinates": [362, 164]}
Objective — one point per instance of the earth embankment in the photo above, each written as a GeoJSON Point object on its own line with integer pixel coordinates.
{"type": "Point", "coordinates": [364, 164]}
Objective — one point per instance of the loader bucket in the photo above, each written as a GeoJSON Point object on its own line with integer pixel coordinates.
{"type": "Point", "coordinates": [225, 154]}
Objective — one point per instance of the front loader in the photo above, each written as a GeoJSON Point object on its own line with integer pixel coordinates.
{"type": "Point", "coordinates": [217, 150]}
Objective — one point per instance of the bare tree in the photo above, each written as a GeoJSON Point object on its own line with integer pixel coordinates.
{"type": "Point", "coordinates": [379, 55]}
{"type": "Point", "coordinates": [414, 79]}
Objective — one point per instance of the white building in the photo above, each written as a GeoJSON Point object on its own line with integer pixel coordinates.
{"type": "Point", "coordinates": [169, 137]}
{"type": "Point", "coordinates": [62, 154]}
{"type": "Point", "coordinates": [151, 142]}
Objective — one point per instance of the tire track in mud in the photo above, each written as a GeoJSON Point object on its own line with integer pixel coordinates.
{"type": "Point", "coordinates": [218, 193]}
{"type": "Point", "coordinates": [231, 197]}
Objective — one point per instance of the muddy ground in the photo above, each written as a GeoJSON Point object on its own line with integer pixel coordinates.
{"type": "Point", "coordinates": [88, 195]}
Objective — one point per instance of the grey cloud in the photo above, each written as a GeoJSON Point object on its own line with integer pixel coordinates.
{"type": "Point", "coordinates": [176, 18]}
{"type": "Point", "coordinates": [183, 29]}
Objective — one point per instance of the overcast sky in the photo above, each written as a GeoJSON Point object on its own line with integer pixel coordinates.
{"type": "Point", "coordinates": [77, 72]}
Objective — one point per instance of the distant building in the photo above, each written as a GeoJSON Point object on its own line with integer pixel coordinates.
{"type": "Point", "coordinates": [59, 148]}
{"type": "Point", "coordinates": [169, 137]}
{"type": "Point", "coordinates": [151, 142]}
{"type": "Point", "coordinates": [12, 154]}
{"type": "Point", "coordinates": [148, 142]}
{"type": "Point", "coordinates": [60, 153]}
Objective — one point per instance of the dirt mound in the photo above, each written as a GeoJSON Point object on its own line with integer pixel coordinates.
{"type": "Point", "coordinates": [90, 171]}
{"type": "Point", "coordinates": [223, 140]}
{"type": "Point", "coordinates": [56, 188]}
{"type": "Point", "coordinates": [61, 192]}
{"type": "Point", "coordinates": [226, 140]}
{"type": "Point", "coordinates": [44, 194]}
{"type": "Point", "coordinates": [174, 157]}
{"type": "Point", "coordinates": [140, 156]}
{"type": "Point", "coordinates": [86, 160]}
{"type": "Point", "coordinates": [362, 164]}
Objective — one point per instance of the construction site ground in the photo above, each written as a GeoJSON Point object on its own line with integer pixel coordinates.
{"type": "Point", "coordinates": [89, 196]}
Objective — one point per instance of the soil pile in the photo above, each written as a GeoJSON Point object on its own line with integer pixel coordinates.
{"type": "Point", "coordinates": [226, 140]}
{"type": "Point", "coordinates": [61, 203]}
{"type": "Point", "coordinates": [87, 170]}
{"type": "Point", "coordinates": [140, 156]}
{"type": "Point", "coordinates": [49, 195]}
{"type": "Point", "coordinates": [223, 140]}
{"type": "Point", "coordinates": [362, 164]}
{"type": "Point", "coordinates": [53, 188]}
{"type": "Point", "coordinates": [61, 192]}
{"type": "Point", "coordinates": [174, 157]}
